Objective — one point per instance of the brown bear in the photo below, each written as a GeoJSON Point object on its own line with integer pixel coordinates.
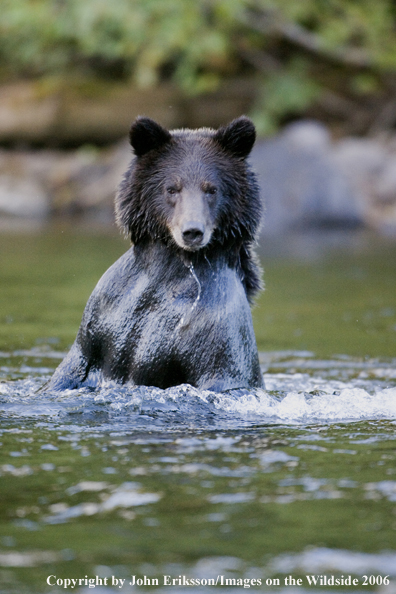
{"type": "Point", "coordinates": [174, 309]}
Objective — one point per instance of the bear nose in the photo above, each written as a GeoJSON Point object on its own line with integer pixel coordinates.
{"type": "Point", "coordinates": [193, 233]}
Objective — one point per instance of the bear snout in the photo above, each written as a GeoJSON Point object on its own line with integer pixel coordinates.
{"type": "Point", "coordinates": [193, 233]}
{"type": "Point", "coordinates": [192, 222]}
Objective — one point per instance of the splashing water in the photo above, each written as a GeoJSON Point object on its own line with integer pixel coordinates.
{"type": "Point", "coordinates": [186, 318]}
{"type": "Point", "coordinates": [313, 391]}
{"type": "Point", "coordinates": [193, 274]}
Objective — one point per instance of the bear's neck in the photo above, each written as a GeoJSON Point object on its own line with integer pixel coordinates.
{"type": "Point", "coordinates": [162, 261]}
{"type": "Point", "coordinates": [156, 253]}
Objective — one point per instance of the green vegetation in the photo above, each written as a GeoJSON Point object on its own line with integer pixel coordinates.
{"type": "Point", "coordinates": [329, 54]}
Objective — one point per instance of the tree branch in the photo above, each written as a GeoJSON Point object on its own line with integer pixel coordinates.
{"type": "Point", "coordinates": [269, 24]}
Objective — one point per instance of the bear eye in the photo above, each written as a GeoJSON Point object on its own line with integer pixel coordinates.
{"type": "Point", "coordinates": [172, 190]}
{"type": "Point", "coordinates": [211, 190]}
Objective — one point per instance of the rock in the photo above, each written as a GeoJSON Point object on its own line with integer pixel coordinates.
{"type": "Point", "coordinates": [24, 197]}
{"type": "Point", "coordinates": [36, 184]}
{"type": "Point", "coordinates": [370, 167]}
{"type": "Point", "coordinates": [302, 185]}
{"type": "Point", "coordinates": [21, 191]}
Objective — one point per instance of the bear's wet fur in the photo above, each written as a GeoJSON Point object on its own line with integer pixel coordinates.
{"type": "Point", "coordinates": [175, 308]}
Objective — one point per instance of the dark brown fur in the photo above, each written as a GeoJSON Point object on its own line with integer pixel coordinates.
{"type": "Point", "coordinates": [174, 308]}
{"type": "Point", "coordinates": [142, 210]}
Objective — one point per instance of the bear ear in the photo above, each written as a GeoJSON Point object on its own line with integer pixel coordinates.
{"type": "Point", "coordinates": [238, 137]}
{"type": "Point", "coordinates": [145, 135]}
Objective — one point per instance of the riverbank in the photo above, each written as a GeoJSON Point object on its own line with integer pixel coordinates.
{"type": "Point", "coordinates": [308, 181]}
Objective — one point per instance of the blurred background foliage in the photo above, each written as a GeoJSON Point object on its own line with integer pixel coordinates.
{"type": "Point", "coordinates": [303, 54]}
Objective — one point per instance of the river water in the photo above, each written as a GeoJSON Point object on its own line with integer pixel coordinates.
{"type": "Point", "coordinates": [179, 489]}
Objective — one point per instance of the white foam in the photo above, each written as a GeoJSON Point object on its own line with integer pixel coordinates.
{"type": "Point", "coordinates": [302, 407]}
{"type": "Point", "coordinates": [340, 390]}
{"type": "Point", "coordinates": [321, 559]}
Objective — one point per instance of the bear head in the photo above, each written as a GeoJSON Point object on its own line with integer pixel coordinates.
{"type": "Point", "coordinates": [191, 189]}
